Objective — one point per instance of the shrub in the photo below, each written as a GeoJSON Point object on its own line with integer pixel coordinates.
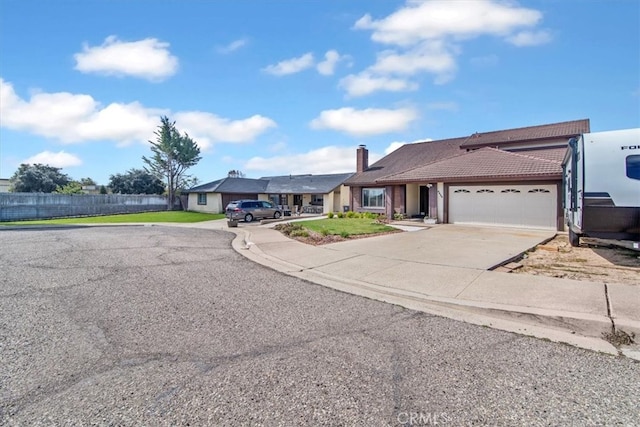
{"type": "Point", "coordinates": [351, 214]}
{"type": "Point", "coordinates": [289, 228]}
{"type": "Point", "coordinates": [330, 215]}
{"type": "Point", "coordinates": [299, 233]}
{"type": "Point", "coordinates": [340, 215]}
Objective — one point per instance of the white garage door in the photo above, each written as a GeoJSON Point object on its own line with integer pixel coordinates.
{"type": "Point", "coordinates": [512, 205]}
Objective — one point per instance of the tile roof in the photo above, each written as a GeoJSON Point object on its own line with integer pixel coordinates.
{"type": "Point", "coordinates": [407, 157]}
{"type": "Point", "coordinates": [483, 164]}
{"type": "Point", "coordinates": [419, 155]}
{"type": "Point", "coordinates": [555, 154]}
{"type": "Point", "coordinates": [522, 135]}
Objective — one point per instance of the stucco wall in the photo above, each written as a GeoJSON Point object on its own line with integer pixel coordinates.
{"type": "Point", "coordinates": [214, 203]}
{"type": "Point", "coordinates": [413, 199]}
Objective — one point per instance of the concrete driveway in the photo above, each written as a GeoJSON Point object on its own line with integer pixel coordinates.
{"type": "Point", "coordinates": [450, 245]}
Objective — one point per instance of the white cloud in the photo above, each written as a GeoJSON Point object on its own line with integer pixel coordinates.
{"type": "Point", "coordinates": [73, 118]}
{"type": "Point", "coordinates": [365, 83]}
{"type": "Point", "coordinates": [77, 118]}
{"type": "Point", "coordinates": [331, 59]}
{"type": "Point", "coordinates": [530, 38]}
{"type": "Point", "coordinates": [427, 35]}
{"type": "Point", "coordinates": [233, 46]}
{"type": "Point", "coordinates": [432, 57]}
{"type": "Point", "coordinates": [207, 128]}
{"type": "Point", "coordinates": [60, 159]}
{"type": "Point", "coordinates": [435, 19]}
{"type": "Point", "coordinates": [149, 59]}
{"type": "Point", "coordinates": [291, 66]}
{"type": "Point", "coordinates": [366, 122]}
{"type": "Point", "coordinates": [330, 159]}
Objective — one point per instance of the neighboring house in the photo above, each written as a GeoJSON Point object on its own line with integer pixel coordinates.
{"type": "Point", "coordinates": [307, 193]}
{"type": "Point", "coordinates": [510, 177]}
{"type": "Point", "coordinates": [4, 185]}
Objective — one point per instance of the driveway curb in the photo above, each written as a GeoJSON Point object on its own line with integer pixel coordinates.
{"type": "Point", "coordinates": [582, 330]}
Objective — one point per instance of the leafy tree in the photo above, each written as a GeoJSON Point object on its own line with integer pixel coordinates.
{"type": "Point", "coordinates": [38, 178]}
{"type": "Point", "coordinates": [74, 187]}
{"type": "Point", "coordinates": [173, 154]}
{"type": "Point", "coordinates": [87, 181]}
{"type": "Point", "coordinates": [135, 181]}
{"type": "Point", "coordinates": [235, 174]}
{"type": "Point", "coordinates": [103, 189]}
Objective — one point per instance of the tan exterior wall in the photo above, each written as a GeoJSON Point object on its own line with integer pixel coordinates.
{"type": "Point", "coordinates": [413, 199]}
{"type": "Point", "coordinates": [214, 203]}
{"type": "Point", "coordinates": [344, 197]}
{"type": "Point", "coordinates": [328, 202]}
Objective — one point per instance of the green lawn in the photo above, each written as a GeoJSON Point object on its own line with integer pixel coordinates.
{"type": "Point", "coordinates": [164, 216]}
{"type": "Point", "coordinates": [349, 226]}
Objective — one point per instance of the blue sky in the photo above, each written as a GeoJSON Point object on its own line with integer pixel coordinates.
{"type": "Point", "coordinates": [279, 87]}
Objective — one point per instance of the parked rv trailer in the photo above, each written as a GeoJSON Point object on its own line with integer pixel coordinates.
{"type": "Point", "coordinates": [602, 186]}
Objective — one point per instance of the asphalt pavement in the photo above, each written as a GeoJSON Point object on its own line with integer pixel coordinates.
{"type": "Point", "coordinates": [155, 325]}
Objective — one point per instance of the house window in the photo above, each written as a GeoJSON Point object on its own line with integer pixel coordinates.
{"type": "Point", "coordinates": [484, 190]}
{"type": "Point", "coordinates": [373, 197]}
{"type": "Point", "coordinates": [462, 190]}
{"type": "Point", "coordinates": [510, 190]}
{"type": "Point", "coordinates": [316, 199]}
{"type": "Point", "coordinates": [633, 166]}
{"type": "Point", "coordinates": [202, 198]}
{"type": "Point", "coordinates": [539, 190]}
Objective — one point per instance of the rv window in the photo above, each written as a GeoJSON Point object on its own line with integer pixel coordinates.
{"type": "Point", "coordinates": [633, 167]}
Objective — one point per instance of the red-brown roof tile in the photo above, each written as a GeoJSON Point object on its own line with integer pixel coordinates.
{"type": "Point", "coordinates": [522, 135]}
{"type": "Point", "coordinates": [485, 164]}
{"type": "Point", "coordinates": [407, 157]}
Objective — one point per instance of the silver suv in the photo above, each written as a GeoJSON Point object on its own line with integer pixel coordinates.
{"type": "Point", "coordinates": [252, 209]}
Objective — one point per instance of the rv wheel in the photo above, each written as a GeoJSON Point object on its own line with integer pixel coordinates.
{"type": "Point", "coordinates": [574, 239]}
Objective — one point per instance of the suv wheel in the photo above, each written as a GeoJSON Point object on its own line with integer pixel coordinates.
{"type": "Point", "coordinates": [276, 215]}
{"type": "Point", "coordinates": [248, 218]}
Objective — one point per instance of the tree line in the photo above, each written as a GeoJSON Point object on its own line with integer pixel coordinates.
{"type": "Point", "coordinates": [173, 153]}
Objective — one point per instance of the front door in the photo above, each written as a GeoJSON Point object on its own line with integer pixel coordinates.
{"type": "Point", "coordinates": [424, 200]}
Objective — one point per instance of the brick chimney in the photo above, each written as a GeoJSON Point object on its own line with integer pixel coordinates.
{"type": "Point", "coordinates": [362, 159]}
